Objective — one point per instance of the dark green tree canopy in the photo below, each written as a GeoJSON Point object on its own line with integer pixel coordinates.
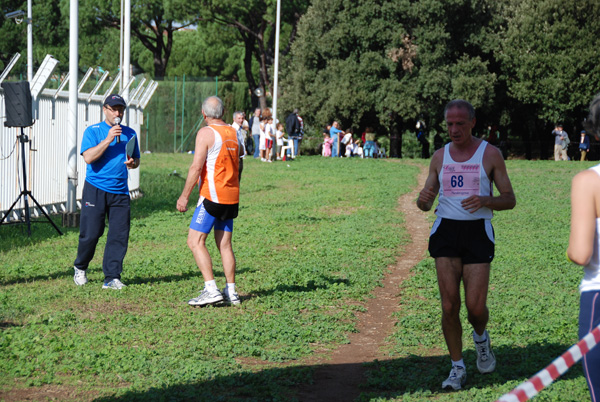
{"type": "Point", "coordinates": [364, 61]}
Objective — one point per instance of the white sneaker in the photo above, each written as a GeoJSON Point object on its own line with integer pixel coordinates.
{"type": "Point", "coordinates": [114, 284]}
{"type": "Point", "coordinates": [486, 361]}
{"type": "Point", "coordinates": [231, 298]}
{"type": "Point", "coordinates": [80, 277]}
{"type": "Point", "coordinates": [206, 297]}
{"type": "Point", "coordinates": [457, 378]}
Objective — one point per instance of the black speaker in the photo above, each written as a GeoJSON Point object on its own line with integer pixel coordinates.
{"type": "Point", "coordinates": [17, 104]}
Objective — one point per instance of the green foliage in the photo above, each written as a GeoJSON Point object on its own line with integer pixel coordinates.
{"type": "Point", "coordinates": [546, 51]}
{"type": "Point", "coordinates": [357, 61]}
{"type": "Point", "coordinates": [208, 52]}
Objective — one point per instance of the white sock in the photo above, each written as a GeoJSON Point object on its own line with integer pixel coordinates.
{"type": "Point", "coordinates": [231, 287]}
{"type": "Point", "coordinates": [460, 363]}
{"type": "Point", "coordinates": [211, 286]}
{"type": "Point", "coordinates": [479, 338]}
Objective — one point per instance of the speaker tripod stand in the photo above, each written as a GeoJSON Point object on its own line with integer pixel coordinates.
{"type": "Point", "coordinates": [26, 194]}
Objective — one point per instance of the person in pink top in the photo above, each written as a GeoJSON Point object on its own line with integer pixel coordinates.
{"type": "Point", "coordinates": [327, 143]}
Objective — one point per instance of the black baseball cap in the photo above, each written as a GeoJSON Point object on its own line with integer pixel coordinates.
{"type": "Point", "coordinates": [114, 100]}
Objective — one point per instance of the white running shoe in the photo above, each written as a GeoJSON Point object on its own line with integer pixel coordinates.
{"type": "Point", "coordinates": [486, 361]}
{"type": "Point", "coordinates": [114, 284]}
{"type": "Point", "coordinates": [206, 297]}
{"type": "Point", "coordinates": [457, 378]}
{"type": "Point", "coordinates": [80, 277]}
{"type": "Point", "coordinates": [231, 298]}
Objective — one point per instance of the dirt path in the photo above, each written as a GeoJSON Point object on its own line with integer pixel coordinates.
{"type": "Point", "coordinates": [341, 372]}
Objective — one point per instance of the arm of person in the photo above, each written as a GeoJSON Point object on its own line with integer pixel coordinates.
{"type": "Point", "coordinates": [432, 184]}
{"type": "Point", "coordinates": [583, 216]}
{"type": "Point", "coordinates": [203, 143]}
{"type": "Point", "coordinates": [92, 154]}
{"type": "Point", "coordinates": [506, 198]}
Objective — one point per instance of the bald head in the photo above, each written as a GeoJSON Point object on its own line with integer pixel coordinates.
{"type": "Point", "coordinates": [213, 107]}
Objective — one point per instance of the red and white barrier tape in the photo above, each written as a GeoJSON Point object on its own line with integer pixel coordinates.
{"type": "Point", "coordinates": [558, 367]}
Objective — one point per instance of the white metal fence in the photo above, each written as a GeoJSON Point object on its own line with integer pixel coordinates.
{"type": "Point", "coordinates": [46, 154]}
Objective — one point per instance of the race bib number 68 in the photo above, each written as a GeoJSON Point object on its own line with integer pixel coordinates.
{"type": "Point", "coordinates": [460, 180]}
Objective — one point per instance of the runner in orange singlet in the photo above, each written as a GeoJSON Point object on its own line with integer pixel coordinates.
{"type": "Point", "coordinates": [216, 168]}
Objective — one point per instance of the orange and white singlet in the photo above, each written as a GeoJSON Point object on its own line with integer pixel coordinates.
{"type": "Point", "coordinates": [219, 181]}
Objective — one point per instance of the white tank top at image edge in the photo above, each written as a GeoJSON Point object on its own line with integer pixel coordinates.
{"type": "Point", "coordinates": [591, 272]}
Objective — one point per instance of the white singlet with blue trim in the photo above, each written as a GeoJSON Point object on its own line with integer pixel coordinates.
{"type": "Point", "coordinates": [460, 180]}
{"type": "Point", "coordinates": [591, 272]}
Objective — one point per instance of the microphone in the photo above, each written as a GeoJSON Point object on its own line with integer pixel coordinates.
{"type": "Point", "coordinates": [117, 122]}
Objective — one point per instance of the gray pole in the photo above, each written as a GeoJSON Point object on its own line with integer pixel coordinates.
{"type": "Point", "coordinates": [29, 43]}
{"type": "Point", "coordinates": [126, 51]}
{"type": "Point", "coordinates": [72, 116]}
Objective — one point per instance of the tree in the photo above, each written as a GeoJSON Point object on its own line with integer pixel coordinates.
{"type": "Point", "coordinates": [382, 63]}
{"type": "Point", "coordinates": [254, 21]}
{"type": "Point", "coordinates": [153, 23]}
{"type": "Point", "coordinates": [208, 51]}
{"type": "Point", "coordinates": [549, 62]}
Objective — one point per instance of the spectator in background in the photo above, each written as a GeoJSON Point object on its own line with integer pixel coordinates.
{"type": "Point", "coordinates": [346, 139]}
{"type": "Point", "coordinates": [293, 129]}
{"type": "Point", "coordinates": [254, 125]}
{"type": "Point", "coordinates": [238, 124]}
{"type": "Point", "coordinates": [422, 138]}
{"type": "Point", "coordinates": [334, 132]}
{"type": "Point", "coordinates": [370, 146]}
{"type": "Point", "coordinates": [269, 137]}
{"type": "Point", "coordinates": [301, 120]}
{"type": "Point", "coordinates": [279, 137]}
{"type": "Point", "coordinates": [584, 145]}
{"type": "Point", "coordinates": [560, 150]}
{"type": "Point", "coordinates": [327, 144]}
{"type": "Point", "coordinates": [584, 250]}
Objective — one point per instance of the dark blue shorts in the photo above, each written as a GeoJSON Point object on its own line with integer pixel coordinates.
{"type": "Point", "coordinates": [589, 318]}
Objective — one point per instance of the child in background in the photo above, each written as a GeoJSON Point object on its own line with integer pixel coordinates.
{"type": "Point", "coordinates": [262, 139]}
{"type": "Point", "coordinates": [350, 147]}
{"type": "Point", "coordinates": [358, 150]}
{"type": "Point", "coordinates": [279, 137]}
{"type": "Point", "coordinates": [269, 136]}
{"type": "Point", "coordinates": [327, 143]}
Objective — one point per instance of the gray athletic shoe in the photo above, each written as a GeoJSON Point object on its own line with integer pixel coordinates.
{"type": "Point", "coordinates": [457, 378]}
{"type": "Point", "coordinates": [486, 361]}
{"type": "Point", "coordinates": [114, 284]}
{"type": "Point", "coordinates": [80, 277]}
{"type": "Point", "coordinates": [232, 298]}
{"type": "Point", "coordinates": [205, 298]}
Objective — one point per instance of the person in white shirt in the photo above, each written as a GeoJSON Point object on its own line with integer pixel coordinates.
{"type": "Point", "coordinates": [462, 237]}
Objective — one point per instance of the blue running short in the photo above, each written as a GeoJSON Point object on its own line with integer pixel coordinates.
{"type": "Point", "coordinates": [204, 222]}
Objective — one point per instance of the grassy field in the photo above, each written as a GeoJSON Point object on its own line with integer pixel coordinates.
{"type": "Point", "coordinates": [312, 241]}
